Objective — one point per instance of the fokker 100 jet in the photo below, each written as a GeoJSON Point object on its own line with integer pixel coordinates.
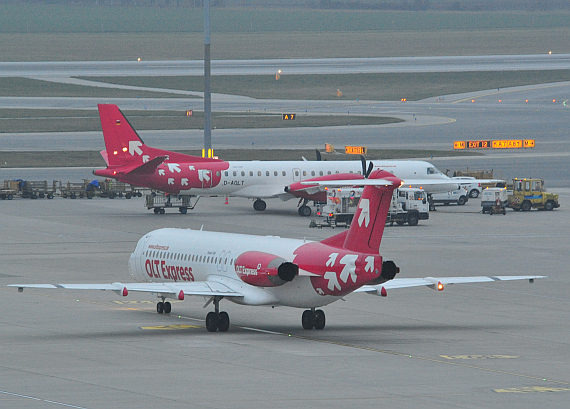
{"type": "Point", "coordinates": [130, 160]}
{"type": "Point", "coordinates": [272, 271]}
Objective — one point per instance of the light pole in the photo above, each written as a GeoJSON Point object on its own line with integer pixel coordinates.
{"type": "Point", "coordinates": [207, 152]}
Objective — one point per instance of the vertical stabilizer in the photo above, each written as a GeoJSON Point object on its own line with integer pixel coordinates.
{"type": "Point", "coordinates": [367, 227]}
{"type": "Point", "coordinates": [121, 140]}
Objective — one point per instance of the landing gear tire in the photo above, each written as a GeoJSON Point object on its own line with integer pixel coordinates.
{"type": "Point", "coordinates": [320, 319]}
{"type": "Point", "coordinates": [212, 320]}
{"type": "Point", "coordinates": [304, 211]}
{"type": "Point", "coordinates": [160, 307]}
{"type": "Point", "coordinates": [223, 321]}
{"type": "Point", "coordinates": [308, 319]}
{"type": "Point", "coordinates": [167, 307]}
{"type": "Point", "coordinates": [259, 205]}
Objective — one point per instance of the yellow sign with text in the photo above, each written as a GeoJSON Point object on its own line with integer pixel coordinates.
{"type": "Point", "coordinates": [459, 145]}
{"type": "Point", "coordinates": [355, 150]}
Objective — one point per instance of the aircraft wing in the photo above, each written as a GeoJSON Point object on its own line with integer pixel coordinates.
{"type": "Point", "coordinates": [200, 288]}
{"type": "Point", "coordinates": [438, 283]}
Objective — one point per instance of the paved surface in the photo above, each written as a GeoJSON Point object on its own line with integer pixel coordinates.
{"type": "Point", "coordinates": [470, 346]}
{"type": "Point", "coordinates": [290, 66]}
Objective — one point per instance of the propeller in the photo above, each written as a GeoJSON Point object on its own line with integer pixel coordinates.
{"type": "Point", "coordinates": [366, 172]}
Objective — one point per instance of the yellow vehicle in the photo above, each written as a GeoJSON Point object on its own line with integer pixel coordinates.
{"type": "Point", "coordinates": [531, 193]}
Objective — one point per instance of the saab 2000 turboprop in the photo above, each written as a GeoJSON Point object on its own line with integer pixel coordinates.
{"type": "Point", "coordinates": [130, 160]}
{"type": "Point", "coordinates": [272, 271]}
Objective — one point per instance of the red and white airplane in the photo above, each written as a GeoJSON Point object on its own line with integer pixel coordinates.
{"type": "Point", "coordinates": [272, 271]}
{"type": "Point", "coordinates": [131, 161]}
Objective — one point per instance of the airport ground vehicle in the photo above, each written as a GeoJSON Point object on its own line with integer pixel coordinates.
{"type": "Point", "coordinates": [459, 196]}
{"type": "Point", "coordinates": [408, 205]}
{"type": "Point", "coordinates": [28, 189]}
{"type": "Point", "coordinates": [471, 185]}
{"type": "Point", "coordinates": [531, 193]}
{"type": "Point", "coordinates": [494, 200]}
{"type": "Point", "coordinates": [159, 202]}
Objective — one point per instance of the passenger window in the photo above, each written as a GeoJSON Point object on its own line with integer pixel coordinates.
{"type": "Point", "coordinates": [242, 173]}
{"type": "Point", "coordinates": [226, 173]}
{"type": "Point", "coordinates": [258, 173]}
{"type": "Point", "coordinates": [328, 172]}
{"type": "Point", "coordinates": [304, 173]}
{"type": "Point", "coordinates": [312, 173]}
{"type": "Point", "coordinates": [284, 173]}
{"type": "Point", "coordinates": [321, 173]}
{"type": "Point", "coordinates": [235, 173]}
{"type": "Point", "coordinates": [250, 173]}
{"type": "Point", "coordinates": [274, 173]}
{"type": "Point", "coordinates": [266, 173]}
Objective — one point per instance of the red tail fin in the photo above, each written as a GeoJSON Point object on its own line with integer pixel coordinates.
{"type": "Point", "coordinates": [365, 233]}
{"type": "Point", "coordinates": [121, 140]}
{"type": "Point", "coordinates": [125, 147]}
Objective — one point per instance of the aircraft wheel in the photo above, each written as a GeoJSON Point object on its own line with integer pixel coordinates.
{"type": "Point", "coordinates": [304, 211]}
{"type": "Point", "coordinates": [308, 319]}
{"type": "Point", "coordinates": [259, 205]}
{"type": "Point", "coordinates": [167, 307]}
{"type": "Point", "coordinates": [160, 307]}
{"type": "Point", "coordinates": [223, 321]}
{"type": "Point", "coordinates": [319, 319]}
{"type": "Point", "coordinates": [212, 321]}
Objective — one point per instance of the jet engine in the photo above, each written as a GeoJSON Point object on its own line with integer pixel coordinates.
{"type": "Point", "coordinates": [389, 271]}
{"type": "Point", "coordinates": [264, 269]}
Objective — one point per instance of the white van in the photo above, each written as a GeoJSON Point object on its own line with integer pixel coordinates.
{"type": "Point", "coordinates": [470, 184]}
{"type": "Point", "coordinates": [459, 196]}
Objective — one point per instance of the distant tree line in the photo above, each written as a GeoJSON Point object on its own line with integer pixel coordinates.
{"type": "Point", "coordinates": [405, 5]}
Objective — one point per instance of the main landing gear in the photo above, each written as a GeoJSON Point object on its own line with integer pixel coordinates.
{"type": "Point", "coordinates": [216, 320]}
{"type": "Point", "coordinates": [304, 210]}
{"type": "Point", "coordinates": [313, 319]}
{"type": "Point", "coordinates": [259, 205]}
{"type": "Point", "coordinates": [163, 307]}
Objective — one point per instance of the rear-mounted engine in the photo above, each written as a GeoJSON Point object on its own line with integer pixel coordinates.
{"type": "Point", "coordinates": [264, 269]}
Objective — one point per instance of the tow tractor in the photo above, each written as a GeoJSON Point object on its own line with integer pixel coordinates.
{"type": "Point", "coordinates": [408, 205]}
{"type": "Point", "coordinates": [531, 193]}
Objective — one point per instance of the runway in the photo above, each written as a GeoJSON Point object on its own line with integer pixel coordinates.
{"type": "Point", "coordinates": [484, 345]}
{"type": "Point", "coordinates": [289, 66]}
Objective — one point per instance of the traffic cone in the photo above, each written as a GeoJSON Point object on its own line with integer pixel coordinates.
{"type": "Point", "coordinates": [227, 201]}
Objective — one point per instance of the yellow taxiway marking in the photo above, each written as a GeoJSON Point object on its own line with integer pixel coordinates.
{"type": "Point", "coordinates": [171, 327]}
{"type": "Point", "coordinates": [479, 356]}
{"type": "Point", "coordinates": [427, 359]}
{"type": "Point", "coordinates": [531, 389]}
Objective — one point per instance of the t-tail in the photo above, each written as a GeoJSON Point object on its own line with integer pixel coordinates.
{"type": "Point", "coordinates": [367, 227]}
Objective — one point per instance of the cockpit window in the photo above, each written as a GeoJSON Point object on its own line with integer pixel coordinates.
{"type": "Point", "coordinates": [433, 171]}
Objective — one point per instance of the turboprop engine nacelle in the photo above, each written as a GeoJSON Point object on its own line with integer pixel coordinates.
{"type": "Point", "coordinates": [264, 269]}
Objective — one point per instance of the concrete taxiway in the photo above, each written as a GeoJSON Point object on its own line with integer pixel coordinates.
{"type": "Point", "coordinates": [469, 346]}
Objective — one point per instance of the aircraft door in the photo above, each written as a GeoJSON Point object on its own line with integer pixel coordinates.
{"type": "Point", "coordinates": [296, 175]}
